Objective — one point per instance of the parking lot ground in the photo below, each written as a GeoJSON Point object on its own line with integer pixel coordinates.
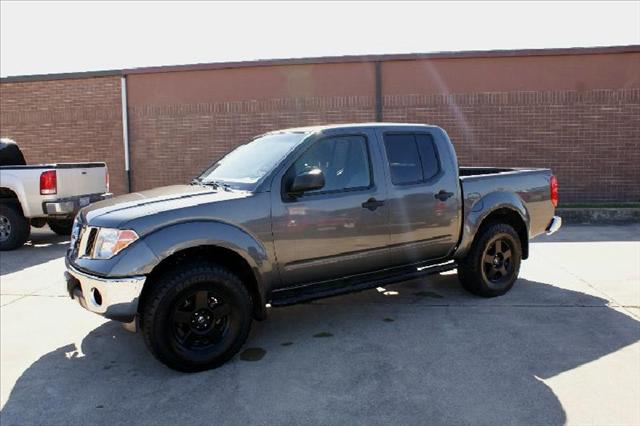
{"type": "Point", "coordinates": [562, 347]}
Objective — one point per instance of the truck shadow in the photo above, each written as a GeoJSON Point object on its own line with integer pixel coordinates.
{"type": "Point", "coordinates": [410, 357]}
{"type": "Point", "coordinates": [43, 245]}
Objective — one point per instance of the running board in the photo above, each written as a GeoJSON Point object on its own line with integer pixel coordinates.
{"type": "Point", "coordinates": [320, 290]}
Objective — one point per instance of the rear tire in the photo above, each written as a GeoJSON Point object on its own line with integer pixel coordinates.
{"type": "Point", "coordinates": [493, 263]}
{"type": "Point", "coordinates": [14, 227]}
{"type": "Point", "coordinates": [196, 317]}
{"type": "Point", "coordinates": [61, 226]}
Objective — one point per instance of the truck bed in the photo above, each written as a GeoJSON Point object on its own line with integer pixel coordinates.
{"type": "Point", "coordinates": [530, 185]}
{"type": "Point", "coordinates": [478, 171]}
{"type": "Point", "coordinates": [71, 180]}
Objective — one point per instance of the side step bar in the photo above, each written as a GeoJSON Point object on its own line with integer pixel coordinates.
{"type": "Point", "coordinates": [320, 290]}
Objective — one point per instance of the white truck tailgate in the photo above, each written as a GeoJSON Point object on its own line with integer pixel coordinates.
{"type": "Point", "coordinates": [81, 179]}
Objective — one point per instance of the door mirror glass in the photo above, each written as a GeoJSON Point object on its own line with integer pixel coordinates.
{"type": "Point", "coordinates": [310, 180]}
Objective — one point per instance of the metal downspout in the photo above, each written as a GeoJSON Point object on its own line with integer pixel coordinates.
{"type": "Point", "coordinates": [125, 130]}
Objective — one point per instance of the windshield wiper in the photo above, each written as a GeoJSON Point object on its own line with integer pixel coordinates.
{"type": "Point", "coordinates": [212, 183]}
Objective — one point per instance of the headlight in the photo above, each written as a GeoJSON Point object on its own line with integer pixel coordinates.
{"type": "Point", "coordinates": [75, 232]}
{"type": "Point", "coordinates": [110, 242]}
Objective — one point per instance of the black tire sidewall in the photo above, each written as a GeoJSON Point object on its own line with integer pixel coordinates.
{"type": "Point", "coordinates": [61, 226]}
{"type": "Point", "coordinates": [471, 271]}
{"type": "Point", "coordinates": [20, 227]}
{"type": "Point", "coordinates": [157, 324]}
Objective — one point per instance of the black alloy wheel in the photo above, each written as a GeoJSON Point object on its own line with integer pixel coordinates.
{"type": "Point", "coordinates": [200, 320]}
{"type": "Point", "coordinates": [196, 316]}
{"type": "Point", "coordinates": [497, 261]}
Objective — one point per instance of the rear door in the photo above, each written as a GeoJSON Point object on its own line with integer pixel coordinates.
{"type": "Point", "coordinates": [81, 179]}
{"type": "Point", "coordinates": [423, 197]}
{"type": "Point", "coordinates": [340, 229]}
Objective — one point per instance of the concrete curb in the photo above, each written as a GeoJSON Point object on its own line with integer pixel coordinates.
{"type": "Point", "coordinates": [612, 216]}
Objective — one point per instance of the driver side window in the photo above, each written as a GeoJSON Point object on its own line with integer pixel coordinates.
{"type": "Point", "coordinates": [344, 161]}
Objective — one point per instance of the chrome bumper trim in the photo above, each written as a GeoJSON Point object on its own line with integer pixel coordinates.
{"type": "Point", "coordinates": [113, 298]}
{"type": "Point", "coordinates": [68, 206]}
{"type": "Point", "coordinates": [554, 225]}
{"type": "Point", "coordinates": [64, 207]}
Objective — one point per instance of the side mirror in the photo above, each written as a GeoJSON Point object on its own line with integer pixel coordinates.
{"type": "Point", "coordinates": [307, 181]}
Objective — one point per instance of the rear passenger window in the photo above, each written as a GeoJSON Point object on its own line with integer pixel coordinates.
{"type": "Point", "coordinates": [404, 163]}
{"type": "Point", "coordinates": [428, 156]}
{"type": "Point", "coordinates": [412, 157]}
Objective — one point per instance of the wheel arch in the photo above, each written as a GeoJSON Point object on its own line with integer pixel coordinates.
{"type": "Point", "coordinates": [512, 218]}
{"type": "Point", "coordinates": [223, 256]}
{"type": "Point", "coordinates": [12, 190]}
{"type": "Point", "coordinates": [215, 242]}
{"type": "Point", "coordinates": [7, 195]}
{"type": "Point", "coordinates": [498, 207]}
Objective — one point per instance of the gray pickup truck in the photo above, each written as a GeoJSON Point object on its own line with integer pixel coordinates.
{"type": "Point", "coordinates": [295, 215]}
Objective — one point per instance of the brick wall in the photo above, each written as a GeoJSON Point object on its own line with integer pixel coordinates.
{"type": "Point", "coordinates": [591, 139]}
{"type": "Point", "coordinates": [66, 121]}
{"type": "Point", "coordinates": [173, 143]}
{"type": "Point", "coordinates": [578, 114]}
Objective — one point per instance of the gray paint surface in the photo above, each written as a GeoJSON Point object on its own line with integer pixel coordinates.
{"type": "Point", "coordinates": [317, 237]}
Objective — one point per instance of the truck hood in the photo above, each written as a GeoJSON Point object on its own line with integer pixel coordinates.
{"type": "Point", "coordinates": [164, 204]}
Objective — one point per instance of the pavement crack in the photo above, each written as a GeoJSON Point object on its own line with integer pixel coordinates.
{"type": "Point", "coordinates": [23, 296]}
{"type": "Point", "coordinates": [594, 288]}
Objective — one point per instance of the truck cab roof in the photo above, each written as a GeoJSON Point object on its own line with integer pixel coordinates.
{"type": "Point", "coordinates": [319, 128]}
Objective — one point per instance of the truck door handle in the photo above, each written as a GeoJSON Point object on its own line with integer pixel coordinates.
{"type": "Point", "coordinates": [443, 195]}
{"type": "Point", "coordinates": [372, 204]}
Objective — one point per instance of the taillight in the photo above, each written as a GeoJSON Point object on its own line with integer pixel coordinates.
{"type": "Point", "coordinates": [48, 183]}
{"type": "Point", "coordinates": [106, 178]}
{"type": "Point", "coordinates": [553, 187]}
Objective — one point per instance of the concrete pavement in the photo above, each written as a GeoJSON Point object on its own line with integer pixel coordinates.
{"type": "Point", "coordinates": [562, 347]}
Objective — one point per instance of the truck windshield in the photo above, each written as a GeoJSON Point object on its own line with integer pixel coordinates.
{"type": "Point", "coordinates": [243, 167]}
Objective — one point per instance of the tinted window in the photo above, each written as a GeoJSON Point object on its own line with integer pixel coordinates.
{"type": "Point", "coordinates": [428, 156]}
{"type": "Point", "coordinates": [344, 161]}
{"type": "Point", "coordinates": [402, 154]}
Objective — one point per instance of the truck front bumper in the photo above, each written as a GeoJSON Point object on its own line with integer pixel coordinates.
{"type": "Point", "coordinates": [113, 298]}
{"type": "Point", "coordinates": [70, 206]}
{"type": "Point", "coordinates": [554, 225]}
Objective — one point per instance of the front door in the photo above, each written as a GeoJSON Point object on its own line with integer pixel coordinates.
{"type": "Point", "coordinates": [340, 229]}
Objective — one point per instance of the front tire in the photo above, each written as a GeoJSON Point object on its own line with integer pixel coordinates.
{"type": "Point", "coordinates": [197, 317]}
{"type": "Point", "coordinates": [14, 227]}
{"type": "Point", "coordinates": [493, 263]}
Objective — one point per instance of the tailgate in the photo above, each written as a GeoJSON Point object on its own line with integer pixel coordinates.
{"type": "Point", "coordinates": [81, 179]}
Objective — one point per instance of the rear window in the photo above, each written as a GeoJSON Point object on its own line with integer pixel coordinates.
{"type": "Point", "coordinates": [413, 158]}
{"type": "Point", "coordinates": [404, 164]}
{"type": "Point", "coordinates": [428, 156]}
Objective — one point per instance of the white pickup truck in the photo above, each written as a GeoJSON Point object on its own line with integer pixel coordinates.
{"type": "Point", "coordinates": [35, 195]}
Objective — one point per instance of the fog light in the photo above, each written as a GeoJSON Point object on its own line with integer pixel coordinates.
{"type": "Point", "coordinates": [97, 297]}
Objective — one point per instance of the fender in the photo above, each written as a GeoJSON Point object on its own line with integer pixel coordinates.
{"type": "Point", "coordinates": [14, 184]}
{"type": "Point", "coordinates": [479, 210]}
{"type": "Point", "coordinates": [177, 237]}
